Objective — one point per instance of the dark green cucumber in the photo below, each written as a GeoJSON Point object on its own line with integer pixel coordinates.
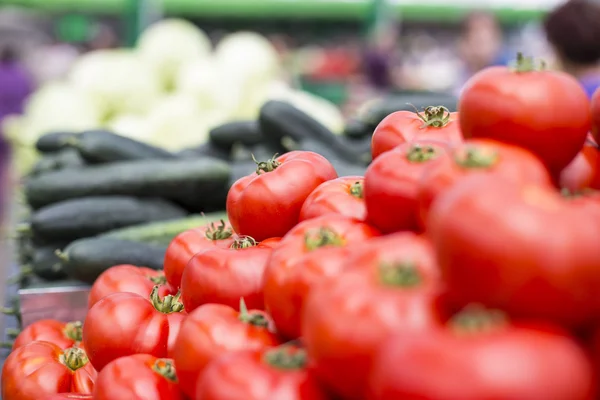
{"type": "Point", "coordinates": [165, 231]}
{"type": "Point", "coordinates": [52, 142]}
{"type": "Point", "coordinates": [281, 121]}
{"type": "Point", "coordinates": [243, 132]}
{"type": "Point", "coordinates": [90, 216]}
{"type": "Point", "coordinates": [85, 259]}
{"type": "Point", "coordinates": [99, 146]}
{"type": "Point", "coordinates": [187, 181]}
{"type": "Point", "coordinates": [355, 129]}
{"type": "Point", "coordinates": [342, 167]}
{"type": "Point", "coordinates": [205, 150]}
{"type": "Point", "coordinates": [46, 264]}
{"type": "Point", "coordinates": [61, 159]}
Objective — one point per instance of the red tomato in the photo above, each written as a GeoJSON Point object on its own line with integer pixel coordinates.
{"type": "Point", "coordinates": [479, 156]}
{"type": "Point", "coordinates": [339, 196]}
{"type": "Point", "coordinates": [521, 248]}
{"type": "Point", "coordinates": [268, 374]}
{"type": "Point", "coordinates": [130, 279]}
{"type": "Point", "coordinates": [62, 396]}
{"type": "Point", "coordinates": [186, 244]}
{"type": "Point", "coordinates": [476, 359]}
{"type": "Point", "coordinates": [546, 112]}
{"type": "Point", "coordinates": [596, 115]}
{"type": "Point", "coordinates": [312, 251]}
{"type": "Point", "coordinates": [212, 330]}
{"type": "Point", "coordinates": [584, 170]}
{"type": "Point", "coordinates": [393, 286]}
{"type": "Point", "coordinates": [39, 369]}
{"type": "Point", "coordinates": [62, 334]}
{"type": "Point", "coordinates": [436, 123]}
{"type": "Point", "coordinates": [275, 193]}
{"type": "Point", "coordinates": [124, 324]}
{"type": "Point", "coordinates": [138, 377]}
{"type": "Point", "coordinates": [392, 183]}
{"type": "Point", "coordinates": [223, 276]}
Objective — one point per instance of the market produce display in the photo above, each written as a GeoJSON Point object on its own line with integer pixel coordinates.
{"type": "Point", "coordinates": [461, 263]}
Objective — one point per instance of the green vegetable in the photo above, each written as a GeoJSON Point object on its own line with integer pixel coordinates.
{"type": "Point", "coordinates": [90, 216]}
{"type": "Point", "coordinates": [53, 142]}
{"type": "Point", "coordinates": [192, 182]}
{"type": "Point", "coordinates": [243, 132]}
{"type": "Point", "coordinates": [61, 159]}
{"type": "Point", "coordinates": [85, 259]}
{"type": "Point", "coordinates": [46, 264]}
{"type": "Point", "coordinates": [165, 231]}
{"type": "Point", "coordinates": [100, 146]}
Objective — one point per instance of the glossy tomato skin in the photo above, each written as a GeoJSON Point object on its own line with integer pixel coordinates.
{"type": "Point", "coordinates": [259, 380]}
{"type": "Point", "coordinates": [223, 276]}
{"type": "Point", "coordinates": [137, 377]}
{"type": "Point", "coordinates": [442, 365]}
{"type": "Point", "coordinates": [276, 196]}
{"type": "Point", "coordinates": [584, 171]}
{"type": "Point", "coordinates": [596, 115]}
{"type": "Point", "coordinates": [212, 330]}
{"type": "Point", "coordinates": [546, 112]}
{"type": "Point", "coordinates": [479, 156]}
{"type": "Point", "coordinates": [294, 267]}
{"type": "Point", "coordinates": [405, 126]}
{"type": "Point", "coordinates": [345, 319]}
{"type": "Point", "coordinates": [124, 324]}
{"type": "Point", "coordinates": [130, 279]}
{"type": "Point", "coordinates": [62, 334]}
{"type": "Point", "coordinates": [529, 264]}
{"type": "Point", "coordinates": [343, 196]}
{"type": "Point", "coordinates": [35, 370]}
{"type": "Point", "coordinates": [392, 185]}
{"type": "Point", "coordinates": [183, 247]}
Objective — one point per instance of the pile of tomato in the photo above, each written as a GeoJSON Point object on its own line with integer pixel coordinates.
{"type": "Point", "coordinates": [464, 265]}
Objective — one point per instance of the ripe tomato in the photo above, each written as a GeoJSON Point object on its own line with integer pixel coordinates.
{"type": "Point", "coordinates": [62, 396]}
{"type": "Point", "coordinates": [538, 258]}
{"type": "Point", "coordinates": [435, 123]}
{"type": "Point", "coordinates": [474, 359]}
{"type": "Point", "coordinates": [584, 170]}
{"type": "Point", "coordinates": [312, 251]}
{"type": "Point", "coordinates": [546, 112]}
{"type": "Point", "coordinates": [338, 196]}
{"type": "Point", "coordinates": [138, 377]}
{"type": "Point", "coordinates": [62, 334]}
{"type": "Point", "coordinates": [223, 276]}
{"type": "Point", "coordinates": [596, 115]}
{"type": "Point", "coordinates": [478, 156]}
{"type": "Point", "coordinates": [40, 369]}
{"type": "Point", "coordinates": [392, 183]}
{"type": "Point", "coordinates": [130, 279]}
{"type": "Point", "coordinates": [124, 324]}
{"type": "Point", "coordinates": [275, 193]}
{"type": "Point", "coordinates": [268, 374]}
{"type": "Point", "coordinates": [186, 244]}
{"type": "Point", "coordinates": [214, 329]}
{"type": "Point", "coordinates": [393, 286]}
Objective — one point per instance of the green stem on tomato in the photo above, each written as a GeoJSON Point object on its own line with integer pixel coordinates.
{"type": "Point", "coordinates": [405, 275]}
{"type": "Point", "coordinates": [158, 279]}
{"type": "Point", "coordinates": [166, 368]}
{"type": "Point", "coordinates": [220, 232]}
{"type": "Point", "coordinates": [356, 190]}
{"type": "Point", "coordinates": [527, 64]}
{"type": "Point", "coordinates": [475, 319]}
{"type": "Point", "coordinates": [322, 237]}
{"type": "Point", "coordinates": [74, 331]}
{"type": "Point", "coordinates": [477, 158]}
{"type": "Point", "coordinates": [168, 304]}
{"type": "Point", "coordinates": [255, 318]}
{"type": "Point", "coordinates": [74, 358]}
{"type": "Point", "coordinates": [419, 153]}
{"type": "Point", "coordinates": [434, 116]}
{"type": "Point", "coordinates": [286, 357]}
{"type": "Point", "coordinates": [266, 166]}
{"type": "Point", "coordinates": [243, 242]}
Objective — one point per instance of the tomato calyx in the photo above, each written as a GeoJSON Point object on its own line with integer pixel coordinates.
{"type": "Point", "coordinates": [220, 232]}
{"type": "Point", "coordinates": [322, 237]}
{"type": "Point", "coordinates": [574, 194]}
{"type": "Point", "coordinates": [474, 158]}
{"type": "Point", "coordinates": [356, 190]}
{"type": "Point", "coordinates": [74, 331]}
{"type": "Point", "coordinates": [253, 318]}
{"type": "Point", "coordinates": [74, 358]}
{"type": "Point", "coordinates": [404, 275]}
{"type": "Point", "coordinates": [266, 166]}
{"type": "Point", "coordinates": [476, 319]}
{"type": "Point", "coordinates": [527, 64]}
{"type": "Point", "coordinates": [158, 279]}
{"type": "Point", "coordinates": [165, 368]}
{"type": "Point", "coordinates": [166, 305]}
{"type": "Point", "coordinates": [243, 242]}
{"type": "Point", "coordinates": [418, 153]}
{"type": "Point", "coordinates": [434, 116]}
{"type": "Point", "coordinates": [286, 357]}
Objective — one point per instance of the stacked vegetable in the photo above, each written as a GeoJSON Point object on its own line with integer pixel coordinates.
{"type": "Point", "coordinates": [453, 269]}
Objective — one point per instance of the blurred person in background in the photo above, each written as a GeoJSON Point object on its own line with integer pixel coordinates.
{"type": "Point", "coordinates": [480, 45]}
{"type": "Point", "coordinates": [573, 30]}
{"type": "Point", "coordinates": [379, 58]}
{"type": "Point", "coordinates": [15, 84]}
